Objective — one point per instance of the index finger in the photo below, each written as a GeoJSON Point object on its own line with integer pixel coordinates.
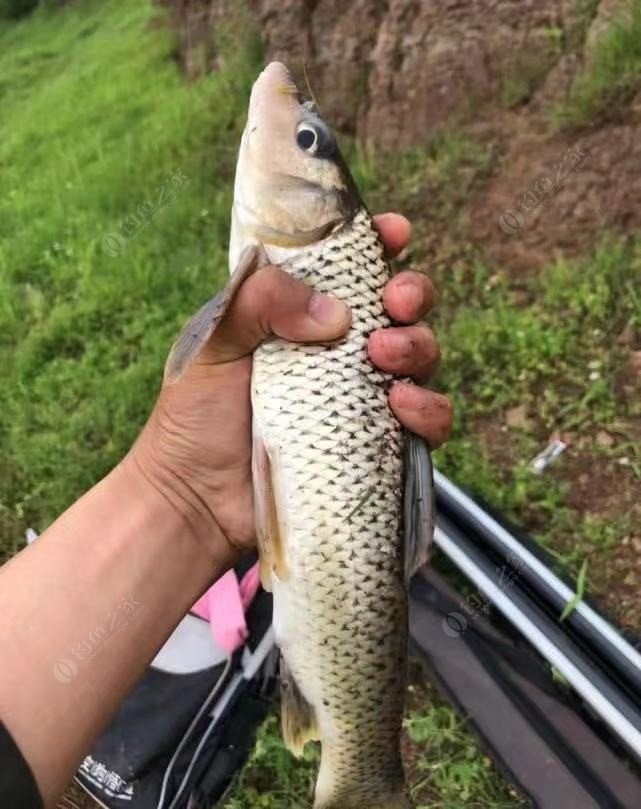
{"type": "Point", "coordinates": [395, 232]}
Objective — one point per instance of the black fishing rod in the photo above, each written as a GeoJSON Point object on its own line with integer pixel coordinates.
{"type": "Point", "coordinates": [607, 647]}
{"type": "Point", "coordinates": [540, 735]}
{"type": "Point", "coordinates": [599, 691]}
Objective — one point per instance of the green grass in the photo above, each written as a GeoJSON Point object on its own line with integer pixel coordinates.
{"type": "Point", "coordinates": [546, 342]}
{"type": "Point", "coordinates": [558, 358]}
{"type": "Point", "coordinates": [612, 73]}
{"type": "Point", "coordinates": [273, 778]}
{"type": "Point", "coordinates": [437, 178]}
{"type": "Point", "coordinates": [447, 771]}
{"type": "Point", "coordinates": [446, 768]}
{"type": "Point", "coordinates": [94, 121]}
{"type": "Point", "coordinates": [577, 598]}
{"type": "Point", "coordinates": [508, 354]}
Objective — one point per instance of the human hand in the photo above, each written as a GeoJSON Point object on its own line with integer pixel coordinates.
{"type": "Point", "coordinates": [196, 446]}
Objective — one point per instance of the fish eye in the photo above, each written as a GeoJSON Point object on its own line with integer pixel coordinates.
{"type": "Point", "coordinates": [307, 138]}
{"type": "Point", "coordinates": [315, 137]}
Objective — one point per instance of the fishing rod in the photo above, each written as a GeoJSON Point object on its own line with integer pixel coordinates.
{"type": "Point", "coordinates": [541, 736]}
{"type": "Point", "coordinates": [604, 696]}
{"type": "Point", "coordinates": [600, 639]}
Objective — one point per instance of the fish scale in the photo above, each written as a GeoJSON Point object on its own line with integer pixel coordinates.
{"type": "Point", "coordinates": [340, 602]}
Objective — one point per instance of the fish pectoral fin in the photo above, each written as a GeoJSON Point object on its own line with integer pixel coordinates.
{"type": "Point", "coordinates": [272, 545]}
{"type": "Point", "coordinates": [198, 329]}
{"type": "Point", "coordinates": [419, 506]}
{"type": "Point", "coordinates": [298, 718]}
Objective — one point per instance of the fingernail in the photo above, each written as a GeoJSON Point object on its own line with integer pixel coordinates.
{"type": "Point", "coordinates": [327, 310]}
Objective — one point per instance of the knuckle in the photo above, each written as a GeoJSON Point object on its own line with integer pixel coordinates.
{"type": "Point", "coordinates": [258, 298]}
{"type": "Point", "coordinates": [274, 289]}
{"type": "Point", "coordinates": [400, 394]}
{"type": "Point", "coordinates": [267, 279]}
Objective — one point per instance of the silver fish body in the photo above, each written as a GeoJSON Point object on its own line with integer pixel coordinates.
{"type": "Point", "coordinates": [336, 557]}
{"type": "Point", "coordinates": [343, 500]}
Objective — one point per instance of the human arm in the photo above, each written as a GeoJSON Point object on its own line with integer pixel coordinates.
{"type": "Point", "coordinates": [170, 518]}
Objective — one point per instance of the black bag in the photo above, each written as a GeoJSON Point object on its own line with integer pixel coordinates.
{"type": "Point", "coordinates": [188, 726]}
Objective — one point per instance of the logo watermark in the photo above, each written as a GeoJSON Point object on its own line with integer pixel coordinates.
{"type": "Point", "coordinates": [512, 220]}
{"type": "Point", "coordinates": [114, 243]}
{"type": "Point", "coordinates": [455, 623]}
{"type": "Point", "coordinates": [67, 668]}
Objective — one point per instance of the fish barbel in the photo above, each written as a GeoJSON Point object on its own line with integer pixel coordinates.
{"type": "Point", "coordinates": [343, 499]}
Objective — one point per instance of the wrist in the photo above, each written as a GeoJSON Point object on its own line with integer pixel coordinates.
{"type": "Point", "coordinates": [171, 498]}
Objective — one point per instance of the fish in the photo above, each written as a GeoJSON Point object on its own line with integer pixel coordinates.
{"type": "Point", "coordinates": [343, 496]}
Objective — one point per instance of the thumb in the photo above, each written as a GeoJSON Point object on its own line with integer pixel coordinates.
{"type": "Point", "coordinates": [271, 302]}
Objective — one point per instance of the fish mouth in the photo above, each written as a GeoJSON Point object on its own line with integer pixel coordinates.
{"type": "Point", "coordinates": [274, 91]}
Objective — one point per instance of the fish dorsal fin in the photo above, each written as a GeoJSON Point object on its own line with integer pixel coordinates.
{"type": "Point", "coordinates": [199, 329]}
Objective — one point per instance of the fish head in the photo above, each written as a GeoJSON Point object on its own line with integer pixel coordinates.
{"type": "Point", "coordinates": [292, 185]}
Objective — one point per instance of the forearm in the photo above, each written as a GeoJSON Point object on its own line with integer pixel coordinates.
{"type": "Point", "coordinates": [84, 610]}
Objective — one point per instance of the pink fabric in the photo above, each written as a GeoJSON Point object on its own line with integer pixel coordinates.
{"type": "Point", "coordinates": [249, 586]}
{"type": "Point", "coordinates": [224, 605]}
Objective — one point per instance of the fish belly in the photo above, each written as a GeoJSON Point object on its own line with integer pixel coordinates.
{"type": "Point", "coordinates": [335, 451]}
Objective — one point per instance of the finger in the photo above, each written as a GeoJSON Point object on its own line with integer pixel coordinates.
{"type": "Point", "coordinates": [409, 296]}
{"type": "Point", "coordinates": [405, 351]}
{"type": "Point", "coordinates": [423, 412]}
{"type": "Point", "coordinates": [272, 302]}
{"type": "Point", "coordinates": [395, 231]}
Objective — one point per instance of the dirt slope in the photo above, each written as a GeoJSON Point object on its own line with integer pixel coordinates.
{"type": "Point", "coordinates": [395, 71]}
